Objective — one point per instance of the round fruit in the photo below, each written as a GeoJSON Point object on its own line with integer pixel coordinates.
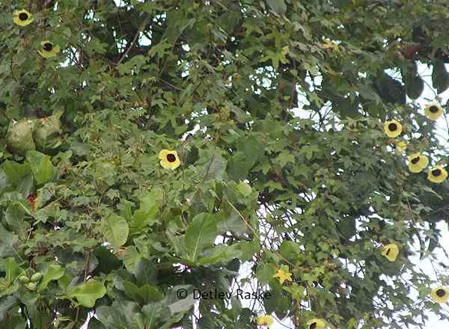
{"type": "Point", "coordinates": [36, 277]}
{"type": "Point", "coordinates": [24, 279]}
{"type": "Point", "coordinates": [31, 286]}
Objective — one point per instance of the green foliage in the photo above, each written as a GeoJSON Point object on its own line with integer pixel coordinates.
{"type": "Point", "coordinates": [276, 111]}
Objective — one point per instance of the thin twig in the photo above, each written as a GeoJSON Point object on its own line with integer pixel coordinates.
{"type": "Point", "coordinates": [136, 36]}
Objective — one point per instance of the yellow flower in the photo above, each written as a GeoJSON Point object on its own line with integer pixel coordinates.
{"type": "Point", "coordinates": [265, 320]}
{"type": "Point", "coordinates": [437, 174]}
{"type": "Point", "coordinates": [417, 162]}
{"type": "Point", "coordinates": [433, 111]}
{"type": "Point", "coordinates": [316, 324]}
{"type": "Point", "coordinates": [401, 146]}
{"type": "Point", "coordinates": [22, 17]}
{"type": "Point", "coordinates": [169, 159]}
{"type": "Point", "coordinates": [440, 294]}
{"type": "Point", "coordinates": [283, 275]}
{"type": "Point", "coordinates": [48, 49]}
{"type": "Point", "coordinates": [392, 128]}
{"type": "Point", "coordinates": [390, 251]}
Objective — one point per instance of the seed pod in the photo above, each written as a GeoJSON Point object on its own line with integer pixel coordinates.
{"type": "Point", "coordinates": [31, 286]}
{"type": "Point", "coordinates": [47, 134]}
{"type": "Point", "coordinates": [24, 279]}
{"type": "Point", "coordinates": [37, 277]}
{"type": "Point", "coordinates": [20, 136]}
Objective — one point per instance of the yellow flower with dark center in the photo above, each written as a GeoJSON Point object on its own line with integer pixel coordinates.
{"type": "Point", "coordinates": [390, 251]}
{"type": "Point", "coordinates": [316, 324]}
{"type": "Point", "coordinates": [265, 320]}
{"type": "Point", "coordinates": [22, 17]}
{"type": "Point", "coordinates": [283, 275]}
{"type": "Point", "coordinates": [417, 162]}
{"type": "Point", "coordinates": [401, 146]}
{"type": "Point", "coordinates": [48, 49]}
{"type": "Point", "coordinates": [169, 159]}
{"type": "Point", "coordinates": [433, 111]}
{"type": "Point", "coordinates": [440, 294]}
{"type": "Point", "coordinates": [392, 128]}
{"type": "Point", "coordinates": [437, 174]}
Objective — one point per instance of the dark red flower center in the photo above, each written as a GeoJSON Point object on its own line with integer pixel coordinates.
{"type": "Point", "coordinates": [440, 292]}
{"type": "Point", "coordinates": [388, 251]}
{"type": "Point", "coordinates": [415, 160]}
{"type": "Point", "coordinates": [433, 109]}
{"type": "Point", "coordinates": [23, 16]}
{"type": "Point", "coordinates": [47, 46]}
{"type": "Point", "coordinates": [392, 126]}
{"type": "Point", "coordinates": [312, 325]}
{"type": "Point", "coordinates": [171, 158]}
{"type": "Point", "coordinates": [436, 172]}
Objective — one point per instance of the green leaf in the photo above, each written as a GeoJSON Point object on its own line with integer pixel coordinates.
{"type": "Point", "coordinates": [7, 243]}
{"type": "Point", "coordinates": [115, 230]}
{"type": "Point", "coordinates": [414, 84]}
{"type": "Point", "coordinates": [347, 228]}
{"type": "Point", "coordinates": [5, 305]}
{"type": "Point", "coordinates": [440, 76]}
{"type": "Point", "coordinates": [212, 163]}
{"type": "Point", "coordinates": [149, 207]}
{"type": "Point", "coordinates": [238, 167]}
{"type": "Point", "coordinates": [95, 324]}
{"type": "Point", "coordinates": [289, 250]}
{"type": "Point", "coordinates": [221, 254]}
{"type": "Point", "coordinates": [15, 172]}
{"type": "Point", "coordinates": [389, 89]}
{"type": "Point", "coordinates": [244, 188]}
{"type": "Point", "coordinates": [177, 304]}
{"type": "Point", "coordinates": [143, 294]}
{"type": "Point", "coordinates": [200, 234]}
{"type": "Point", "coordinates": [54, 272]}
{"type": "Point", "coordinates": [12, 269]}
{"type": "Point", "coordinates": [88, 292]}
{"type": "Point", "coordinates": [40, 165]}
{"type": "Point", "coordinates": [278, 6]}
{"type": "Point", "coordinates": [118, 316]}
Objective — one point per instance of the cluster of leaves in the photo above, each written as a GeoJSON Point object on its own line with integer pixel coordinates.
{"type": "Point", "coordinates": [114, 233]}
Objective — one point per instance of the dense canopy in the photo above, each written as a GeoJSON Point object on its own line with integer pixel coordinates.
{"type": "Point", "coordinates": [154, 150]}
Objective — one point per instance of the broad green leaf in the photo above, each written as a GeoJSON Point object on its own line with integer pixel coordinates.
{"type": "Point", "coordinates": [389, 89]}
{"type": "Point", "coordinates": [118, 316]}
{"type": "Point", "coordinates": [278, 6]}
{"type": "Point", "coordinates": [115, 230]}
{"type": "Point", "coordinates": [15, 172]}
{"type": "Point", "coordinates": [220, 254]}
{"type": "Point", "coordinates": [200, 234]}
{"type": "Point", "coordinates": [290, 250]}
{"type": "Point", "coordinates": [54, 272]}
{"type": "Point", "coordinates": [11, 268]}
{"type": "Point", "coordinates": [440, 76]}
{"type": "Point", "coordinates": [414, 84]}
{"type": "Point", "coordinates": [7, 243]}
{"type": "Point", "coordinates": [149, 207]}
{"type": "Point", "coordinates": [142, 294]}
{"type": "Point", "coordinates": [5, 305]}
{"type": "Point", "coordinates": [87, 293]}
{"type": "Point", "coordinates": [244, 188]}
{"type": "Point", "coordinates": [40, 165]}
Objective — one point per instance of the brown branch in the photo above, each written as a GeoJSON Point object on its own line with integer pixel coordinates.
{"type": "Point", "coordinates": [131, 45]}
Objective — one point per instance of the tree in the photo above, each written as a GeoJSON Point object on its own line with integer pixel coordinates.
{"type": "Point", "coordinates": [151, 150]}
